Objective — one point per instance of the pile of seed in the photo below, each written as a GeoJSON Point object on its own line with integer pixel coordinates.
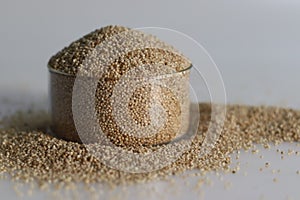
{"type": "Point", "coordinates": [109, 54]}
{"type": "Point", "coordinates": [147, 49]}
{"type": "Point", "coordinates": [33, 155]}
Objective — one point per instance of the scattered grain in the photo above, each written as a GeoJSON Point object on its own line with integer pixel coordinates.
{"type": "Point", "coordinates": [267, 165]}
{"type": "Point", "coordinates": [32, 155]}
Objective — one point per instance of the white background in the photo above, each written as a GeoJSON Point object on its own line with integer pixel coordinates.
{"type": "Point", "coordinates": [256, 45]}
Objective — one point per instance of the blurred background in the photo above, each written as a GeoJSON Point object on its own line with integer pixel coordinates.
{"type": "Point", "coordinates": [255, 44]}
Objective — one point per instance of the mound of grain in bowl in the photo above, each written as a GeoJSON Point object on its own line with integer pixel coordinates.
{"type": "Point", "coordinates": [108, 55]}
{"type": "Point", "coordinates": [28, 154]}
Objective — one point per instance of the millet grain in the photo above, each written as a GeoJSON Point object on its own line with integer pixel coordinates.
{"type": "Point", "coordinates": [33, 155]}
